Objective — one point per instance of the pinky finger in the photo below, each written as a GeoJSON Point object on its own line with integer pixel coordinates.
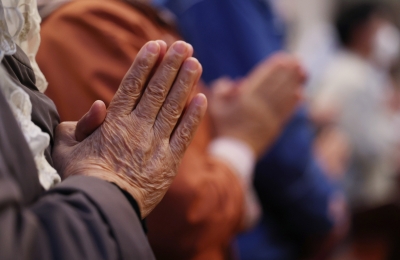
{"type": "Point", "coordinates": [184, 132]}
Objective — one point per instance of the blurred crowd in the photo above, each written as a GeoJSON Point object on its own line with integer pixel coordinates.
{"type": "Point", "coordinates": [297, 156]}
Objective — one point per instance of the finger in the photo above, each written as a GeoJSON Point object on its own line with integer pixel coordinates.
{"type": "Point", "coordinates": [222, 86]}
{"type": "Point", "coordinates": [282, 74]}
{"type": "Point", "coordinates": [266, 78]}
{"type": "Point", "coordinates": [163, 47]}
{"type": "Point", "coordinates": [91, 120]}
{"type": "Point", "coordinates": [176, 100]}
{"type": "Point", "coordinates": [190, 51]}
{"type": "Point", "coordinates": [196, 85]}
{"type": "Point", "coordinates": [184, 133]}
{"type": "Point", "coordinates": [286, 100]}
{"type": "Point", "coordinates": [156, 91]}
{"type": "Point", "coordinates": [268, 65]}
{"type": "Point", "coordinates": [133, 83]}
{"type": "Point", "coordinates": [163, 51]}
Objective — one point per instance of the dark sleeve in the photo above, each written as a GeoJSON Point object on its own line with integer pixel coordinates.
{"type": "Point", "coordinates": [82, 218]}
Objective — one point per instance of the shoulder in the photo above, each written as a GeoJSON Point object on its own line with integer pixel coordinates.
{"type": "Point", "coordinates": [104, 15]}
{"type": "Point", "coordinates": [80, 8]}
{"type": "Point", "coordinates": [107, 19]}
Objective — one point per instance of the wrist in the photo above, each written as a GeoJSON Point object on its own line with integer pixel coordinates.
{"type": "Point", "coordinates": [124, 183]}
{"type": "Point", "coordinates": [237, 154]}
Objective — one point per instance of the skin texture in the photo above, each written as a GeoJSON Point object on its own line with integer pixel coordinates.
{"type": "Point", "coordinates": [145, 132]}
{"type": "Point", "coordinates": [256, 108]}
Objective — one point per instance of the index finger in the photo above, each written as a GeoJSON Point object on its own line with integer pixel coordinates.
{"type": "Point", "coordinates": [133, 83]}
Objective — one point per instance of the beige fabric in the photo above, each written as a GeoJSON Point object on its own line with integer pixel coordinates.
{"type": "Point", "coordinates": [29, 38]}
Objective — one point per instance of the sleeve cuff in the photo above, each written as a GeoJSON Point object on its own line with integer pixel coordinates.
{"type": "Point", "coordinates": [135, 206]}
{"type": "Point", "coordinates": [116, 209]}
{"type": "Point", "coordinates": [236, 154]}
{"type": "Point", "coordinates": [242, 160]}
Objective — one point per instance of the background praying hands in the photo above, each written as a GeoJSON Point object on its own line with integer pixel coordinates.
{"type": "Point", "coordinates": [256, 108]}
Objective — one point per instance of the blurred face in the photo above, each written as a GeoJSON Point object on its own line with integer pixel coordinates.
{"type": "Point", "coordinates": [379, 41]}
{"type": "Point", "coordinates": [385, 44]}
{"type": "Point", "coordinates": [364, 36]}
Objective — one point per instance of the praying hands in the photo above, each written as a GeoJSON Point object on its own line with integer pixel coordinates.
{"type": "Point", "coordinates": [145, 132]}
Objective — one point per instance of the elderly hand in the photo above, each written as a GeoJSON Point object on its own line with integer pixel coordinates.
{"type": "Point", "coordinates": [145, 132]}
{"type": "Point", "coordinates": [255, 109]}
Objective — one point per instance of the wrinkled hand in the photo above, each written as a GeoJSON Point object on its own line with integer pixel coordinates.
{"type": "Point", "coordinates": [256, 108]}
{"type": "Point", "coordinates": [145, 132]}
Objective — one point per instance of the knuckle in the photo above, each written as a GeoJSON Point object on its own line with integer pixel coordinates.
{"type": "Point", "coordinates": [173, 109]}
{"type": "Point", "coordinates": [142, 64]}
{"type": "Point", "coordinates": [156, 92]}
{"type": "Point", "coordinates": [186, 80]}
{"type": "Point", "coordinates": [195, 118]}
{"type": "Point", "coordinates": [185, 135]}
{"type": "Point", "coordinates": [133, 83]}
{"type": "Point", "coordinates": [172, 64]}
{"type": "Point", "coordinates": [143, 115]}
{"type": "Point", "coordinates": [186, 132]}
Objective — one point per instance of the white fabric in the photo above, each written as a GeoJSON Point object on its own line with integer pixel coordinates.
{"type": "Point", "coordinates": [29, 38]}
{"type": "Point", "coordinates": [7, 45]}
{"type": "Point", "coordinates": [37, 140]}
{"type": "Point", "coordinates": [26, 32]}
{"type": "Point", "coordinates": [241, 159]}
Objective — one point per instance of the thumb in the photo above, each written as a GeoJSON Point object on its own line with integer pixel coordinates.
{"type": "Point", "coordinates": [91, 120]}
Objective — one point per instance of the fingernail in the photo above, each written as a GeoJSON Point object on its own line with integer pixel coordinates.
{"type": "Point", "coordinates": [190, 46]}
{"type": "Point", "coordinates": [161, 43]}
{"type": "Point", "coordinates": [200, 100]}
{"type": "Point", "coordinates": [152, 47]}
{"type": "Point", "coordinates": [191, 64]}
{"type": "Point", "coordinates": [180, 47]}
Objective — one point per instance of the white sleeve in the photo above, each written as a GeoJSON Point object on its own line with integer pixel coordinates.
{"type": "Point", "coordinates": [241, 159]}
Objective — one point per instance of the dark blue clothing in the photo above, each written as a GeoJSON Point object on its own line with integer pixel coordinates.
{"type": "Point", "coordinates": [294, 194]}
{"type": "Point", "coordinates": [230, 37]}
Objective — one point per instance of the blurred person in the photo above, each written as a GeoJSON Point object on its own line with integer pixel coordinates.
{"type": "Point", "coordinates": [352, 93]}
{"type": "Point", "coordinates": [95, 211]}
{"type": "Point", "coordinates": [230, 38]}
{"type": "Point", "coordinates": [311, 33]}
{"type": "Point", "coordinates": [211, 198]}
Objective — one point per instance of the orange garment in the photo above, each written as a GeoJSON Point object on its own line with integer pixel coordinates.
{"type": "Point", "coordinates": [87, 47]}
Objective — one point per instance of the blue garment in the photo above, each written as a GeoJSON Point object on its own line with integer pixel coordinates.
{"type": "Point", "coordinates": [294, 194]}
{"type": "Point", "coordinates": [241, 33]}
{"type": "Point", "coordinates": [230, 37]}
